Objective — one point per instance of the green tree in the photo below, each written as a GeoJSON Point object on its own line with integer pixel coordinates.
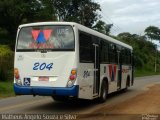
{"type": "Point", "coordinates": [143, 50]}
{"type": "Point", "coordinates": [6, 62]}
{"type": "Point", "coordinates": [80, 11]}
{"type": "Point", "coordinates": [153, 33]}
{"type": "Point", "coordinates": [15, 12]}
{"type": "Point", "coordinates": [100, 26]}
{"type": "Point", "coordinates": [103, 27]}
{"type": "Point", "coordinates": [125, 35]}
{"type": "Point", "coordinates": [108, 28]}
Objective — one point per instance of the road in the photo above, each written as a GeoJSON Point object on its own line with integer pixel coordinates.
{"type": "Point", "coordinates": [41, 105]}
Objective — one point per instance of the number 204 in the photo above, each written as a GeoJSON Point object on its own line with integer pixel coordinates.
{"type": "Point", "coordinates": [38, 66]}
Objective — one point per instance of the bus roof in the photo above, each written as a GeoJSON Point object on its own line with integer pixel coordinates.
{"type": "Point", "coordinates": [82, 28]}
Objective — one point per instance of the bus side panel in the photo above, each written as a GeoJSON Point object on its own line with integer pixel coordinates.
{"type": "Point", "coordinates": [85, 80]}
{"type": "Point", "coordinates": [110, 71]}
{"type": "Point", "coordinates": [126, 71]}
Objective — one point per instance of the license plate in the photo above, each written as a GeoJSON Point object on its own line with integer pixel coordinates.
{"type": "Point", "coordinates": [43, 78]}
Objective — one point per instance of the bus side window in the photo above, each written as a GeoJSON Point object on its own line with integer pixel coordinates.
{"type": "Point", "coordinates": [113, 53]}
{"type": "Point", "coordinates": [128, 56]}
{"type": "Point", "coordinates": [123, 55]}
{"type": "Point", "coordinates": [119, 54]}
{"type": "Point", "coordinates": [104, 52]}
{"type": "Point", "coordinates": [85, 48]}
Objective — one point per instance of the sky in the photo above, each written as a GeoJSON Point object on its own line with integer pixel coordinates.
{"type": "Point", "coordinates": [130, 15]}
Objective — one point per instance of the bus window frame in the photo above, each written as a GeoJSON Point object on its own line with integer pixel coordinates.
{"type": "Point", "coordinates": [41, 50]}
{"type": "Point", "coordinates": [91, 47]}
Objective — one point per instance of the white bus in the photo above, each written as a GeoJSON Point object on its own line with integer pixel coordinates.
{"type": "Point", "coordinates": [66, 59]}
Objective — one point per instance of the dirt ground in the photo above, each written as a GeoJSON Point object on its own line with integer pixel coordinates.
{"type": "Point", "coordinates": [145, 106]}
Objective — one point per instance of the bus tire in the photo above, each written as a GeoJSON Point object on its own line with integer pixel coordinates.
{"type": "Point", "coordinates": [104, 92]}
{"type": "Point", "coordinates": [60, 98]}
{"type": "Point", "coordinates": [127, 83]}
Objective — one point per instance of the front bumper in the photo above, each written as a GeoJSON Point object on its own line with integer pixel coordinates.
{"type": "Point", "coordinates": [46, 91]}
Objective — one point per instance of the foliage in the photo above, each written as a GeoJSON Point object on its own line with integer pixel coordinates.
{"type": "Point", "coordinates": [16, 12]}
{"type": "Point", "coordinates": [153, 33]}
{"type": "Point", "coordinates": [144, 51]}
{"type": "Point", "coordinates": [102, 27]}
{"type": "Point", "coordinates": [80, 11]}
{"type": "Point", "coordinates": [6, 89]}
{"type": "Point", "coordinates": [6, 62]}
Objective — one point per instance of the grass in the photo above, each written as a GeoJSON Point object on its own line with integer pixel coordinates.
{"type": "Point", "coordinates": [141, 73]}
{"type": "Point", "coordinates": [6, 89]}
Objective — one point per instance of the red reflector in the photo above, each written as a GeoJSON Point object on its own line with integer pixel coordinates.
{"type": "Point", "coordinates": [72, 77]}
{"type": "Point", "coordinates": [17, 76]}
{"type": "Point", "coordinates": [43, 79]}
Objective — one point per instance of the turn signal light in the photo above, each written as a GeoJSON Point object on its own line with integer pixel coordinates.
{"type": "Point", "coordinates": [72, 78]}
{"type": "Point", "coordinates": [73, 72]}
{"type": "Point", "coordinates": [16, 73]}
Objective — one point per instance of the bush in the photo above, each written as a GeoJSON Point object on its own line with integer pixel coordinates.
{"type": "Point", "coordinates": [138, 62]}
{"type": "Point", "coordinates": [6, 62]}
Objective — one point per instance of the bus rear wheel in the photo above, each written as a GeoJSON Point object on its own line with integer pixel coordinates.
{"type": "Point", "coordinates": [104, 92]}
{"type": "Point", "coordinates": [127, 83]}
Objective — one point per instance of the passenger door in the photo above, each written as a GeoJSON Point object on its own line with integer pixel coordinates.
{"type": "Point", "coordinates": [96, 82]}
{"type": "Point", "coordinates": [119, 80]}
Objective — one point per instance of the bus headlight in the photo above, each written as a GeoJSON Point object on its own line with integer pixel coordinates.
{"type": "Point", "coordinates": [72, 78]}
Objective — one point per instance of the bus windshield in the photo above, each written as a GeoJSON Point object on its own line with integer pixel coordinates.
{"type": "Point", "coordinates": [46, 37]}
